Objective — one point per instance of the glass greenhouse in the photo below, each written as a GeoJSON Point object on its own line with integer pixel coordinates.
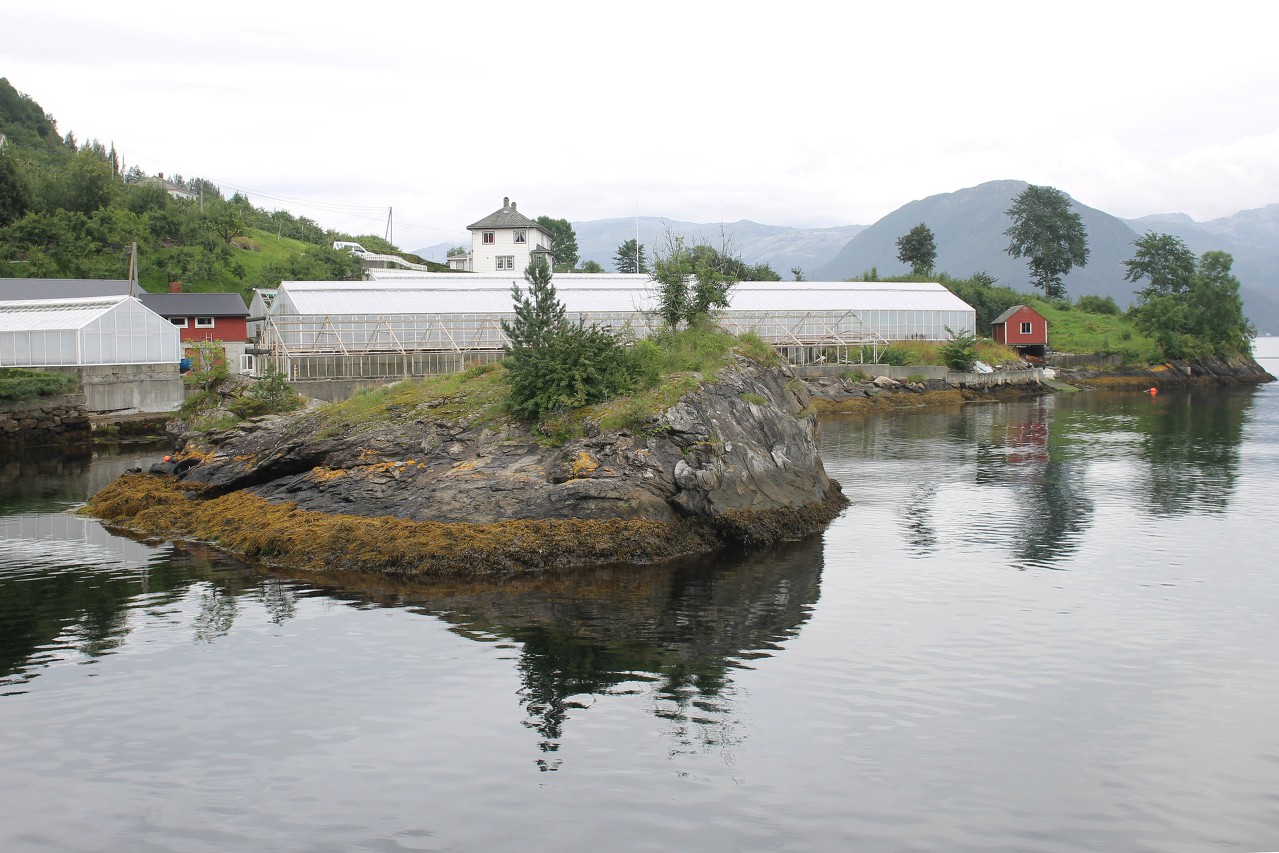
{"type": "Point", "coordinates": [436, 323]}
{"type": "Point", "coordinates": [77, 332]}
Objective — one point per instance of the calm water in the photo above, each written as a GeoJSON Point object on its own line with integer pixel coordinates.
{"type": "Point", "coordinates": [1045, 626]}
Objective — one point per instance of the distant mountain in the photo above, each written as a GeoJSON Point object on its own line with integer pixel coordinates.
{"type": "Point", "coordinates": [780, 247]}
{"type": "Point", "coordinates": [969, 227]}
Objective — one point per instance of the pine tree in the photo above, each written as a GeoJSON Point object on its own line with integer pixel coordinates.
{"type": "Point", "coordinates": [538, 313]}
{"type": "Point", "coordinates": [630, 259]}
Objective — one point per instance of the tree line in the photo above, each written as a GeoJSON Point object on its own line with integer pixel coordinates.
{"type": "Point", "coordinates": [68, 210]}
{"type": "Point", "coordinates": [1189, 305]}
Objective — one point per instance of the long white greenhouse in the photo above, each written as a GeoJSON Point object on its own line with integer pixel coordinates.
{"type": "Point", "coordinates": [89, 331]}
{"type": "Point", "coordinates": [400, 324]}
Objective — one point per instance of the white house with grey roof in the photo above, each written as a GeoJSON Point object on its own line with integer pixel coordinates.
{"type": "Point", "coordinates": [504, 241]}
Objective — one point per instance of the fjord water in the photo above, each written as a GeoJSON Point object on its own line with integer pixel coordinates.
{"type": "Point", "coordinates": [1048, 625]}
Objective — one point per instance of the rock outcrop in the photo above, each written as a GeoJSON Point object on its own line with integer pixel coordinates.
{"type": "Point", "coordinates": [1199, 372]}
{"type": "Point", "coordinates": [733, 461]}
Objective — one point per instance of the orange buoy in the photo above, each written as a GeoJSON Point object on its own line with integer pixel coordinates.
{"type": "Point", "coordinates": [1153, 390]}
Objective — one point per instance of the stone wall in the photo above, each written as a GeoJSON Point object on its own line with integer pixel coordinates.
{"type": "Point", "coordinates": [44, 420]}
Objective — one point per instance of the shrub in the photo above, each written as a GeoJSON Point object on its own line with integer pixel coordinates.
{"type": "Point", "coordinates": [961, 351]}
{"type": "Point", "coordinates": [1098, 304]}
{"type": "Point", "coordinates": [895, 356]}
{"type": "Point", "coordinates": [576, 365]}
{"type": "Point", "coordinates": [22, 384]}
{"type": "Point", "coordinates": [208, 364]}
{"type": "Point", "coordinates": [268, 395]}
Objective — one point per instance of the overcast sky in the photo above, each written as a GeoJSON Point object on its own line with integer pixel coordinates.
{"type": "Point", "coordinates": [787, 113]}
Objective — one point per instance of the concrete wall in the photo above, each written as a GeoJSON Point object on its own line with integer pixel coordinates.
{"type": "Point", "coordinates": [812, 371]}
{"type": "Point", "coordinates": [1004, 377]}
{"type": "Point", "coordinates": [139, 387]}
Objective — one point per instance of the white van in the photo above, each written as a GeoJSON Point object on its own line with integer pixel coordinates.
{"type": "Point", "coordinates": [348, 246]}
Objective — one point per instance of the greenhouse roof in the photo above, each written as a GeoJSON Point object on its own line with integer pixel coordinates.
{"type": "Point", "coordinates": [593, 294]}
{"type": "Point", "coordinates": [54, 314]}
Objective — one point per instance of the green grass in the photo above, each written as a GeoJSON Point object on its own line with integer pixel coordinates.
{"type": "Point", "coordinates": [1076, 331]}
{"type": "Point", "coordinates": [17, 383]}
{"type": "Point", "coordinates": [675, 365]}
{"type": "Point", "coordinates": [474, 395]}
{"type": "Point", "coordinates": [270, 251]}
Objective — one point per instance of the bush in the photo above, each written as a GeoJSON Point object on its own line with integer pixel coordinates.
{"type": "Point", "coordinates": [1098, 305]}
{"type": "Point", "coordinates": [576, 365]}
{"type": "Point", "coordinates": [960, 352]}
{"type": "Point", "coordinates": [895, 356]}
{"type": "Point", "coordinates": [22, 384]}
{"type": "Point", "coordinates": [269, 395]}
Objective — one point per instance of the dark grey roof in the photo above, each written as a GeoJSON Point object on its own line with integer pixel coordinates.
{"type": "Point", "coordinates": [195, 304]}
{"type": "Point", "coordinates": [14, 289]}
{"type": "Point", "coordinates": [1004, 316]}
{"type": "Point", "coordinates": [506, 217]}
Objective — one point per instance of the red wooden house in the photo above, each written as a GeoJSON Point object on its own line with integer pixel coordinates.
{"type": "Point", "coordinates": [205, 317]}
{"type": "Point", "coordinates": [1022, 328]}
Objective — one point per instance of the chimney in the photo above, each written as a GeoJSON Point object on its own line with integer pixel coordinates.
{"type": "Point", "coordinates": [175, 287]}
{"type": "Point", "coordinates": [512, 205]}
{"type": "Point", "coordinates": [506, 201]}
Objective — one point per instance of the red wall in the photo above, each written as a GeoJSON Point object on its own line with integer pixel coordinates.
{"type": "Point", "coordinates": [1009, 332]}
{"type": "Point", "coordinates": [223, 329]}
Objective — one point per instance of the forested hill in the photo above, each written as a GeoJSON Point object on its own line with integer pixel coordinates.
{"type": "Point", "coordinates": [68, 211]}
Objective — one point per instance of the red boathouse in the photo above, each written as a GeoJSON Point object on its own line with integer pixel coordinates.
{"type": "Point", "coordinates": [1022, 328]}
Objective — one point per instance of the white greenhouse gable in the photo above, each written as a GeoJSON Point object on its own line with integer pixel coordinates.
{"type": "Point", "coordinates": [79, 332]}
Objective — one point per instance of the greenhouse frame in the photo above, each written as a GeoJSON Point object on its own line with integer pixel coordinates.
{"type": "Point", "coordinates": [402, 325]}
{"type": "Point", "coordinates": [107, 330]}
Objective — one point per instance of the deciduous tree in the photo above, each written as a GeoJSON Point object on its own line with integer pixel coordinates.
{"type": "Point", "coordinates": [1191, 308]}
{"type": "Point", "coordinates": [917, 248]}
{"type": "Point", "coordinates": [15, 191]}
{"type": "Point", "coordinates": [563, 242]}
{"type": "Point", "coordinates": [1164, 261]}
{"type": "Point", "coordinates": [693, 281]}
{"type": "Point", "coordinates": [1049, 234]}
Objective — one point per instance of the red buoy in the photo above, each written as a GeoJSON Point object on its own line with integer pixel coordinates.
{"type": "Point", "coordinates": [1153, 390]}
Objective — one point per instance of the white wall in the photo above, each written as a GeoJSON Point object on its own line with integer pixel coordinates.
{"type": "Point", "coordinates": [485, 256]}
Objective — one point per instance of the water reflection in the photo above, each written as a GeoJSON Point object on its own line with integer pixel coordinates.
{"type": "Point", "coordinates": [673, 632]}
{"type": "Point", "coordinates": [1191, 444]}
{"type": "Point", "coordinates": [1024, 477]}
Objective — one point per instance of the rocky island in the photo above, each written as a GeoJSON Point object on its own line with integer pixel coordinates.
{"type": "Point", "coordinates": [447, 485]}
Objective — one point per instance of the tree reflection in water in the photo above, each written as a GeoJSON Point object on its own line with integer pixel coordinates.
{"type": "Point", "coordinates": [671, 631]}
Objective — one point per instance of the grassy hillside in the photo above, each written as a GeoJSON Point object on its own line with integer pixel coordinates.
{"type": "Point", "coordinates": [67, 211]}
{"type": "Point", "coordinates": [1075, 331]}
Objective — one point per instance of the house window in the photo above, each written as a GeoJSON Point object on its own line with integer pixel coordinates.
{"type": "Point", "coordinates": [1025, 328]}
{"type": "Point", "coordinates": [487, 238]}
{"type": "Point", "coordinates": [204, 322]}
{"type": "Point", "coordinates": [180, 322]}
{"type": "Point", "coordinates": [506, 262]}
{"type": "Point", "coordinates": [521, 236]}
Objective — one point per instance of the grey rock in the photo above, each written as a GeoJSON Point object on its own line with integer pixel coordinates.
{"type": "Point", "coordinates": [711, 453]}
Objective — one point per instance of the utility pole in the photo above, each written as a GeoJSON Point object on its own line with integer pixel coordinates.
{"type": "Point", "coordinates": [133, 270]}
{"type": "Point", "coordinates": [390, 231]}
